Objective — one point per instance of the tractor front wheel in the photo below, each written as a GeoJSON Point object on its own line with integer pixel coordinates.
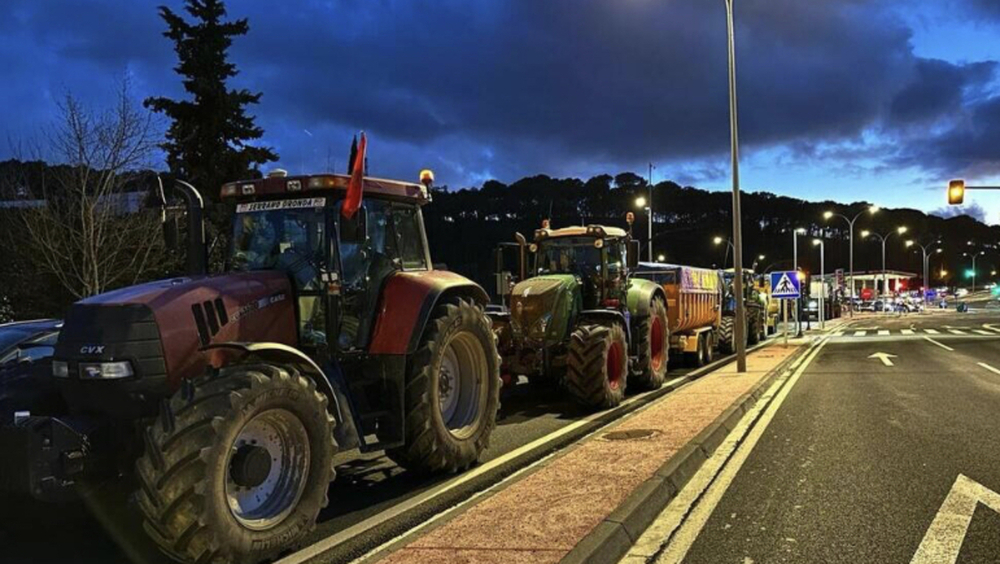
{"type": "Point", "coordinates": [237, 465]}
{"type": "Point", "coordinates": [597, 367]}
{"type": "Point", "coordinates": [653, 346]}
{"type": "Point", "coordinates": [452, 392]}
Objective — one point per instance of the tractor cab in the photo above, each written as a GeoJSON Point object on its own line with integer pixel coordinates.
{"type": "Point", "coordinates": [594, 254]}
{"type": "Point", "coordinates": [337, 265]}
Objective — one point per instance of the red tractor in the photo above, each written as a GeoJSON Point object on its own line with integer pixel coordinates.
{"type": "Point", "coordinates": [224, 398]}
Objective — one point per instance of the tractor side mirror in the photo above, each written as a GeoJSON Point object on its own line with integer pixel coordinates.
{"type": "Point", "coordinates": [633, 254]}
{"type": "Point", "coordinates": [354, 230]}
{"type": "Point", "coordinates": [171, 233]}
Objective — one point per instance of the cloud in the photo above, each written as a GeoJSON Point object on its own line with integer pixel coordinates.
{"type": "Point", "coordinates": [973, 210]}
{"type": "Point", "coordinates": [516, 87]}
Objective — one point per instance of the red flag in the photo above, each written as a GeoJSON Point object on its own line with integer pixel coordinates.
{"type": "Point", "coordinates": [356, 186]}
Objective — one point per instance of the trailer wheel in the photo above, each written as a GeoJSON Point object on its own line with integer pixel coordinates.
{"type": "Point", "coordinates": [452, 392]}
{"type": "Point", "coordinates": [653, 336]}
{"type": "Point", "coordinates": [597, 366]}
{"type": "Point", "coordinates": [236, 467]}
{"type": "Point", "coordinates": [709, 344]}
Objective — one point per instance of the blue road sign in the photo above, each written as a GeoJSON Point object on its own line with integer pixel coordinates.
{"type": "Point", "coordinates": [785, 285]}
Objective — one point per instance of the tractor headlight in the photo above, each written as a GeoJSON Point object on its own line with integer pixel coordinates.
{"type": "Point", "coordinates": [60, 369]}
{"type": "Point", "coordinates": [106, 370]}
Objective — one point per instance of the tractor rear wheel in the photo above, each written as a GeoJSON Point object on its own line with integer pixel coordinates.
{"type": "Point", "coordinates": [653, 346]}
{"type": "Point", "coordinates": [237, 465]}
{"type": "Point", "coordinates": [452, 392]}
{"type": "Point", "coordinates": [597, 366]}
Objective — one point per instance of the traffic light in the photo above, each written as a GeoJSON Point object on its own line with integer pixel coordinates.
{"type": "Point", "coordinates": [956, 192]}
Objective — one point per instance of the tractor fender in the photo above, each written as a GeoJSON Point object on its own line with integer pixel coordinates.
{"type": "Point", "coordinates": [407, 302]}
{"type": "Point", "coordinates": [605, 316]}
{"type": "Point", "coordinates": [283, 354]}
{"type": "Point", "coordinates": [640, 293]}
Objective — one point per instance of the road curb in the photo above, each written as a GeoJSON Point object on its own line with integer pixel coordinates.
{"type": "Point", "coordinates": [396, 528]}
{"type": "Point", "coordinates": [611, 540]}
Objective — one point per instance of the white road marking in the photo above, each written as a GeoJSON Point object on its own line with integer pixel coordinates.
{"type": "Point", "coordinates": [991, 327]}
{"type": "Point", "coordinates": [838, 334]}
{"type": "Point", "coordinates": [679, 523]}
{"type": "Point", "coordinates": [884, 357]}
{"type": "Point", "coordinates": [884, 333]}
{"type": "Point", "coordinates": [956, 332]}
{"type": "Point", "coordinates": [907, 331]}
{"type": "Point", "coordinates": [932, 331]}
{"type": "Point", "coordinates": [943, 540]}
{"type": "Point", "coordinates": [981, 332]}
{"type": "Point", "coordinates": [943, 346]}
{"type": "Point", "coordinates": [990, 368]}
{"type": "Point", "coordinates": [860, 333]}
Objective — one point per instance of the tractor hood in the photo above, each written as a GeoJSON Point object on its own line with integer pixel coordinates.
{"type": "Point", "coordinates": [541, 308]}
{"type": "Point", "coordinates": [160, 327]}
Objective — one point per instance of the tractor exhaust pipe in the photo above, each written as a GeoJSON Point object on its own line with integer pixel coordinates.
{"type": "Point", "coordinates": [196, 257]}
{"type": "Point", "coordinates": [522, 244]}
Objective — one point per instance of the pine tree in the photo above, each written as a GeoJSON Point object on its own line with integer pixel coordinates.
{"type": "Point", "coordinates": [207, 140]}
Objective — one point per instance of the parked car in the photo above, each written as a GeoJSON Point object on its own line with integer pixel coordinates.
{"type": "Point", "coordinates": [25, 368]}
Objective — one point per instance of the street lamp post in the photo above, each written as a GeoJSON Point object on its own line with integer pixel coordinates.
{"type": "Point", "coordinates": [650, 210]}
{"type": "Point", "coordinates": [729, 247]}
{"type": "Point", "coordinates": [741, 317]}
{"type": "Point", "coordinates": [974, 257]}
{"type": "Point", "coordinates": [795, 267]}
{"type": "Point", "coordinates": [822, 284]}
{"type": "Point", "coordinates": [885, 275]}
{"type": "Point", "coordinates": [850, 224]}
{"type": "Point", "coordinates": [926, 250]}
{"type": "Point", "coordinates": [647, 205]}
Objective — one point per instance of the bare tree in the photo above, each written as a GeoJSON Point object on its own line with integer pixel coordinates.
{"type": "Point", "coordinates": [90, 229]}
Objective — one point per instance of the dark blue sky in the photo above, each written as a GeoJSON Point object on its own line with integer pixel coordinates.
{"type": "Point", "coordinates": [839, 99]}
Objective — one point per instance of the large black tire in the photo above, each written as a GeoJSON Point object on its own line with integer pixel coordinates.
{"type": "Point", "coordinates": [727, 334]}
{"type": "Point", "coordinates": [597, 366]}
{"type": "Point", "coordinates": [188, 469]}
{"type": "Point", "coordinates": [755, 327]}
{"type": "Point", "coordinates": [653, 344]}
{"type": "Point", "coordinates": [439, 437]}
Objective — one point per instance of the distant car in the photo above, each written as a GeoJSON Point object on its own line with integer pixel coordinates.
{"type": "Point", "coordinates": [25, 368]}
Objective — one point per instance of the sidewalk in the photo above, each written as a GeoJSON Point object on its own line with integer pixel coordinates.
{"type": "Point", "coordinates": [578, 495]}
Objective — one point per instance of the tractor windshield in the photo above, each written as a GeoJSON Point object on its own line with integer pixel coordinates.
{"type": "Point", "coordinates": [283, 235]}
{"type": "Point", "coordinates": [569, 255]}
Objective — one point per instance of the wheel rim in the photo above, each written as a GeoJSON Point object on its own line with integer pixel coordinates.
{"type": "Point", "coordinates": [656, 334]}
{"type": "Point", "coordinates": [267, 469]}
{"type": "Point", "coordinates": [461, 385]}
{"type": "Point", "coordinates": [614, 367]}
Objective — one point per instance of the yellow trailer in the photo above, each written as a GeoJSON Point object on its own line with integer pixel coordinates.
{"type": "Point", "coordinates": [694, 300]}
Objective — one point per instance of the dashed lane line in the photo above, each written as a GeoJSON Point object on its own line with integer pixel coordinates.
{"type": "Point", "coordinates": [860, 333]}
{"type": "Point", "coordinates": [943, 346]}
{"type": "Point", "coordinates": [932, 331]}
{"type": "Point", "coordinates": [883, 333]}
{"type": "Point", "coordinates": [990, 368]}
{"type": "Point", "coordinates": [907, 331]}
{"type": "Point", "coordinates": [956, 332]}
{"type": "Point", "coordinates": [981, 332]}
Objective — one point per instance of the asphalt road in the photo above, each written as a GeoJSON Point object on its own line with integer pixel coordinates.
{"type": "Point", "coordinates": [364, 487]}
{"type": "Point", "coordinates": [860, 456]}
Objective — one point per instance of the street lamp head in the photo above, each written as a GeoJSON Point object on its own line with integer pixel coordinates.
{"type": "Point", "coordinates": [817, 242]}
{"type": "Point", "coordinates": [640, 202]}
{"type": "Point", "coordinates": [801, 230]}
{"type": "Point", "coordinates": [661, 258]}
{"type": "Point", "coordinates": [909, 244]}
{"type": "Point", "coordinates": [901, 229]}
{"type": "Point", "coordinates": [760, 257]}
{"type": "Point", "coordinates": [718, 240]}
{"type": "Point", "coordinates": [865, 234]}
{"type": "Point", "coordinates": [827, 214]}
{"type": "Point", "coordinates": [874, 209]}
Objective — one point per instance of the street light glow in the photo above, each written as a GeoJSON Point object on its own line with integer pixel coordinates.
{"type": "Point", "coordinates": [865, 234]}
{"type": "Point", "coordinates": [901, 230]}
{"type": "Point", "coordinates": [661, 258]}
{"type": "Point", "coordinates": [817, 242]}
{"type": "Point", "coordinates": [640, 202]}
{"type": "Point", "coordinates": [827, 214]}
{"type": "Point", "coordinates": [718, 240]}
{"type": "Point", "coordinates": [875, 209]}
{"type": "Point", "coordinates": [909, 244]}
{"type": "Point", "coordinates": [801, 230]}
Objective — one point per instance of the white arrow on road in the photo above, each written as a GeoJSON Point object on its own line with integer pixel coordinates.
{"type": "Point", "coordinates": [943, 540]}
{"type": "Point", "coordinates": [884, 357]}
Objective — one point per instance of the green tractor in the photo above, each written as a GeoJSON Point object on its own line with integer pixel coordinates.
{"type": "Point", "coordinates": [578, 317]}
{"type": "Point", "coordinates": [756, 312]}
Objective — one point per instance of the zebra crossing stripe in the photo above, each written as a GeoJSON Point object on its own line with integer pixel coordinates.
{"type": "Point", "coordinates": [932, 331]}
{"type": "Point", "coordinates": [860, 333]}
{"type": "Point", "coordinates": [884, 333]}
{"type": "Point", "coordinates": [838, 334]}
{"type": "Point", "coordinates": [981, 332]}
{"type": "Point", "coordinates": [907, 331]}
{"type": "Point", "coordinates": [956, 332]}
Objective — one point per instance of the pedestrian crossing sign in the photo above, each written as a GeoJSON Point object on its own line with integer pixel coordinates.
{"type": "Point", "coordinates": [785, 285]}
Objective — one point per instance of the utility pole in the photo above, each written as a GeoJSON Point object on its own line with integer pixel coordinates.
{"type": "Point", "coordinates": [650, 228]}
{"type": "Point", "coordinates": [741, 314]}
